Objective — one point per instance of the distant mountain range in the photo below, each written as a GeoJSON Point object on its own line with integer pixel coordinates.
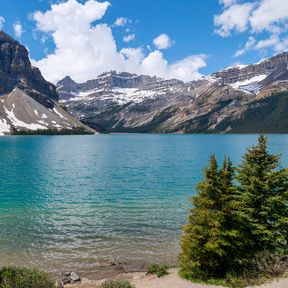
{"type": "Point", "coordinates": [243, 98]}
{"type": "Point", "coordinates": [224, 102]}
{"type": "Point", "coordinates": [28, 103]}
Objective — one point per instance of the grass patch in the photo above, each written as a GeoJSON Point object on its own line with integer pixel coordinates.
{"type": "Point", "coordinates": [116, 284]}
{"type": "Point", "coordinates": [158, 270]}
{"type": "Point", "coordinates": [12, 277]}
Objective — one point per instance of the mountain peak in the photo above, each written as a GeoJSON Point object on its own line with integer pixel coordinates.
{"type": "Point", "coordinates": [16, 70]}
{"type": "Point", "coordinates": [5, 38]}
{"type": "Point", "coordinates": [68, 80]}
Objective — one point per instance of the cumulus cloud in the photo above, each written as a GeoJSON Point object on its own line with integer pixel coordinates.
{"type": "Point", "coordinates": [2, 22]}
{"type": "Point", "coordinates": [234, 18]}
{"type": "Point", "coordinates": [121, 21]}
{"type": "Point", "coordinates": [269, 42]}
{"type": "Point", "coordinates": [259, 17]}
{"type": "Point", "coordinates": [129, 38]}
{"type": "Point", "coordinates": [227, 3]}
{"type": "Point", "coordinates": [269, 14]}
{"type": "Point", "coordinates": [85, 47]}
{"type": "Point", "coordinates": [282, 45]}
{"type": "Point", "coordinates": [249, 44]}
{"type": "Point", "coordinates": [163, 41]}
{"type": "Point", "coordinates": [18, 29]}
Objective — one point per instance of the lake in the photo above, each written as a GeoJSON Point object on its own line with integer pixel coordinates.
{"type": "Point", "coordinates": [78, 202]}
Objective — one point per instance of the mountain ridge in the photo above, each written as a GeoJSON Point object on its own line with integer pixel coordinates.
{"type": "Point", "coordinates": [127, 102]}
{"type": "Point", "coordinates": [172, 106]}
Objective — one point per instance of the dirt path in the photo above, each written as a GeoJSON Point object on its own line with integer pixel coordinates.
{"type": "Point", "coordinates": [282, 283]}
{"type": "Point", "coordinates": [140, 280]}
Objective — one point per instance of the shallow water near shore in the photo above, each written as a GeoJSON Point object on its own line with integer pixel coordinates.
{"type": "Point", "coordinates": [78, 202]}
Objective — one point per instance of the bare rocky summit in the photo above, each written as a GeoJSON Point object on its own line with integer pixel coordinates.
{"type": "Point", "coordinates": [16, 71]}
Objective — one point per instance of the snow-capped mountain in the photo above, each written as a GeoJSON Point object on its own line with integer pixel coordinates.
{"type": "Point", "coordinates": [119, 88]}
{"type": "Point", "coordinates": [124, 102]}
{"type": "Point", "coordinates": [27, 101]}
{"type": "Point", "coordinates": [256, 77]}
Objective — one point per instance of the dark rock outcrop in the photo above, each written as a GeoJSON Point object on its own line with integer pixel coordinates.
{"type": "Point", "coordinates": [16, 71]}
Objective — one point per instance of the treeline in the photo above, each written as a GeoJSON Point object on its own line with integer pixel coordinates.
{"type": "Point", "coordinates": [74, 131]}
{"type": "Point", "coordinates": [265, 115]}
{"type": "Point", "coordinates": [238, 226]}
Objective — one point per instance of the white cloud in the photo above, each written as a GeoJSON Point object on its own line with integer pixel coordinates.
{"type": "Point", "coordinates": [269, 42]}
{"type": "Point", "coordinates": [2, 22]}
{"type": "Point", "coordinates": [129, 38]}
{"type": "Point", "coordinates": [227, 3]}
{"type": "Point", "coordinates": [18, 29]}
{"type": "Point", "coordinates": [256, 17]}
{"type": "Point", "coordinates": [84, 50]}
{"type": "Point", "coordinates": [269, 14]}
{"type": "Point", "coordinates": [185, 69]}
{"type": "Point", "coordinates": [133, 56]}
{"type": "Point", "coordinates": [163, 41]}
{"type": "Point", "coordinates": [121, 21]}
{"type": "Point", "coordinates": [282, 45]}
{"type": "Point", "coordinates": [249, 44]}
{"type": "Point", "coordinates": [188, 66]}
{"type": "Point", "coordinates": [235, 17]}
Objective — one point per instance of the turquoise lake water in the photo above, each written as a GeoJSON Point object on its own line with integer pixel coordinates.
{"type": "Point", "coordinates": [78, 202]}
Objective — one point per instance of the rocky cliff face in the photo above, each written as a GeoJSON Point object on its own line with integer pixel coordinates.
{"type": "Point", "coordinates": [240, 73]}
{"type": "Point", "coordinates": [129, 103]}
{"type": "Point", "coordinates": [27, 101]}
{"type": "Point", "coordinates": [256, 77]}
{"type": "Point", "coordinates": [16, 71]}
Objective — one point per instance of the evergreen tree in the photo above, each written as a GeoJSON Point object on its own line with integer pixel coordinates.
{"type": "Point", "coordinates": [262, 201]}
{"type": "Point", "coordinates": [239, 228]}
{"type": "Point", "coordinates": [206, 244]}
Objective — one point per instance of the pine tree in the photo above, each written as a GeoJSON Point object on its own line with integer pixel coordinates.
{"type": "Point", "coordinates": [262, 202]}
{"type": "Point", "coordinates": [206, 243]}
{"type": "Point", "coordinates": [238, 227]}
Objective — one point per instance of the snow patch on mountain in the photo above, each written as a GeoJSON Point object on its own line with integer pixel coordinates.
{"type": "Point", "coordinates": [4, 127]}
{"type": "Point", "coordinates": [55, 110]}
{"type": "Point", "coordinates": [18, 123]}
{"type": "Point", "coordinates": [238, 66]}
{"type": "Point", "coordinates": [250, 85]}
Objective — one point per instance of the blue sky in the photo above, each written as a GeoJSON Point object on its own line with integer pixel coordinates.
{"type": "Point", "coordinates": [215, 31]}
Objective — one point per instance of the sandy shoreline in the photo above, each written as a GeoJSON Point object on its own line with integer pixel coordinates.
{"type": "Point", "coordinates": [141, 280]}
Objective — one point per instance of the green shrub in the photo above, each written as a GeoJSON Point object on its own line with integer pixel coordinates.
{"type": "Point", "coordinates": [268, 264]}
{"type": "Point", "coordinates": [117, 284]}
{"type": "Point", "coordinates": [159, 270]}
{"type": "Point", "coordinates": [12, 277]}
